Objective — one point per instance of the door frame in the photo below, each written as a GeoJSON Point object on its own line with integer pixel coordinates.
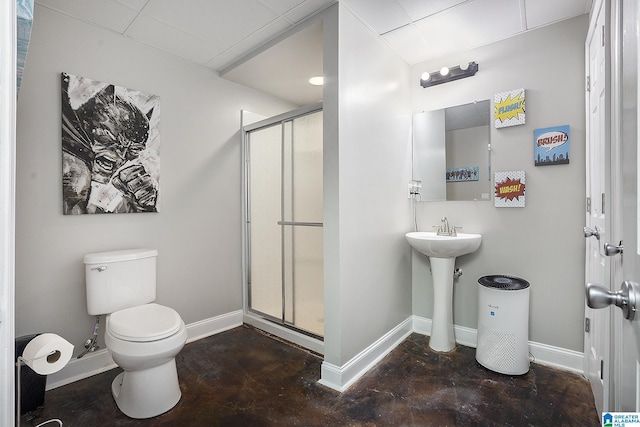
{"type": "Point", "coordinates": [616, 196]}
{"type": "Point", "coordinates": [7, 209]}
{"type": "Point", "coordinates": [628, 121]}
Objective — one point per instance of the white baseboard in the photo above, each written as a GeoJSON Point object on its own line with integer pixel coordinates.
{"type": "Point", "coordinates": [558, 357]}
{"type": "Point", "coordinates": [341, 377]}
{"type": "Point", "coordinates": [214, 325]}
{"type": "Point", "coordinates": [336, 377]}
{"type": "Point", "coordinates": [561, 358]}
{"type": "Point", "coordinates": [100, 361]}
{"type": "Point", "coordinates": [78, 369]}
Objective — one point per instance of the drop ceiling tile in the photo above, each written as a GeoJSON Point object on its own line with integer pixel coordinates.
{"type": "Point", "coordinates": [222, 23]}
{"type": "Point", "coordinates": [246, 46]}
{"type": "Point", "coordinates": [155, 33]}
{"type": "Point", "coordinates": [469, 25]}
{"type": "Point", "coordinates": [542, 12]}
{"type": "Point", "coordinates": [134, 4]}
{"type": "Point", "coordinates": [264, 34]}
{"type": "Point", "coordinates": [306, 9]}
{"type": "Point", "coordinates": [222, 60]}
{"type": "Point", "coordinates": [408, 43]}
{"type": "Point", "coordinates": [111, 14]}
{"type": "Point", "coordinates": [381, 15]}
{"type": "Point", "coordinates": [418, 9]}
{"type": "Point", "coordinates": [281, 6]}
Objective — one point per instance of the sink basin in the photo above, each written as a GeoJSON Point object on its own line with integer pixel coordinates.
{"type": "Point", "coordinates": [432, 245]}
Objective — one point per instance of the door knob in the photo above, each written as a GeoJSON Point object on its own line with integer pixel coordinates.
{"type": "Point", "coordinates": [626, 298]}
{"type": "Point", "coordinates": [595, 231]}
{"type": "Point", "coordinates": [611, 249]}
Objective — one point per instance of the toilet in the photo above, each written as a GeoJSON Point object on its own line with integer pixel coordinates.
{"type": "Point", "coordinates": [142, 337]}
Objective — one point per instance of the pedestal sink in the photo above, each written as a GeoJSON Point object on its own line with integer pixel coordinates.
{"type": "Point", "coordinates": [442, 252]}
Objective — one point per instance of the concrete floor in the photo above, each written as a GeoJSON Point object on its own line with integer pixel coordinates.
{"type": "Point", "coordinates": [244, 377]}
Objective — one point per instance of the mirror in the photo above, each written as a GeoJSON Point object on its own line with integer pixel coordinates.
{"type": "Point", "coordinates": [451, 152]}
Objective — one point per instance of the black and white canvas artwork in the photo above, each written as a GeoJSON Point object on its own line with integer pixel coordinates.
{"type": "Point", "coordinates": [110, 148]}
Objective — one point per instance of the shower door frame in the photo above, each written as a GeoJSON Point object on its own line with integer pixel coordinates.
{"type": "Point", "coordinates": [273, 325]}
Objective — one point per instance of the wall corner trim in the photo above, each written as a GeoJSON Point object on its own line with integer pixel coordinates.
{"type": "Point", "coordinates": [101, 361]}
{"type": "Point", "coordinates": [341, 377]}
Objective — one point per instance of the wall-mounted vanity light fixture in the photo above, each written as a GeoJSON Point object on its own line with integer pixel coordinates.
{"type": "Point", "coordinates": [448, 74]}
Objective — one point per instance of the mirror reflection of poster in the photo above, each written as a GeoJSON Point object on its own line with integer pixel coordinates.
{"type": "Point", "coordinates": [471, 173]}
{"type": "Point", "coordinates": [110, 148]}
{"type": "Point", "coordinates": [551, 146]}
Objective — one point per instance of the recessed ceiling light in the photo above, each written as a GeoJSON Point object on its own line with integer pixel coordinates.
{"type": "Point", "coordinates": [317, 80]}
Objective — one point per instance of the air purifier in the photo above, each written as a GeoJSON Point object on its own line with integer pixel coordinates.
{"type": "Point", "coordinates": [503, 324]}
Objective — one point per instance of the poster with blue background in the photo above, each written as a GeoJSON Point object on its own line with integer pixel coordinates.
{"type": "Point", "coordinates": [551, 146]}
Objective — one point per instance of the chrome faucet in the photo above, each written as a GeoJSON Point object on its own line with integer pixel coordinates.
{"type": "Point", "coordinates": [445, 229]}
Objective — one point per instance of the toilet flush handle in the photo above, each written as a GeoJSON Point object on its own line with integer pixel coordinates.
{"type": "Point", "coordinates": [100, 269]}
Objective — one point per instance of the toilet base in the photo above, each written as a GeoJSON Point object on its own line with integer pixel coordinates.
{"type": "Point", "coordinates": [147, 393]}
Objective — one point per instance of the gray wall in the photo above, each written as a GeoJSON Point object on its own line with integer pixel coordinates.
{"type": "Point", "coordinates": [197, 232]}
{"type": "Point", "coordinates": [367, 169]}
{"type": "Point", "coordinates": [369, 96]}
{"type": "Point", "coordinates": [542, 242]}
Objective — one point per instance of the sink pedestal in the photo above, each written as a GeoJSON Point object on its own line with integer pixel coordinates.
{"type": "Point", "coordinates": [442, 252]}
{"type": "Point", "coordinates": [442, 335]}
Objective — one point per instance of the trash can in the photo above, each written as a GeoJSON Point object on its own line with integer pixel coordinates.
{"type": "Point", "coordinates": [32, 384]}
{"type": "Point", "coordinates": [503, 324]}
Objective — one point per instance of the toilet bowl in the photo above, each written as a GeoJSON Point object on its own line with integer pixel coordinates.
{"type": "Point", "coordinates": [142, 337]}
{"type": "Point", "coordinates": [144, 341]}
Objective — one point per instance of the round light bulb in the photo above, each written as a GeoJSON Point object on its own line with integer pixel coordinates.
{"type": "Point", "coordinates": [317, 80]}
{"type": "Point", "coordinates": [444, 71]}
{"type": "Point", "coordinates": [464, 66]}
{"type": "Point", "coordinates": [425, 76]}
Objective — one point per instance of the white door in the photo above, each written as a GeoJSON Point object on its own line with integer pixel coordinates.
{"type": "Point", "coordinates": [597, 322]}
{"type": "Point", "coordinates": [624, 227]}
{"type": "Point", "coordinates": [627, 332]}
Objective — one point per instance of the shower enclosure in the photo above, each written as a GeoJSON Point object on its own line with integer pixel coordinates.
{"type": "Point", "coordinates": [284, 261]}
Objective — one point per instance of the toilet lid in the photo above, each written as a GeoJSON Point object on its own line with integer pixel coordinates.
{"type": "Point", "coordinates": [149, 322]}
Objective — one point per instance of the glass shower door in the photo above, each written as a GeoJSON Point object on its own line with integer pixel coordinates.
{"type": "Point", "coordinates": [285, 222]}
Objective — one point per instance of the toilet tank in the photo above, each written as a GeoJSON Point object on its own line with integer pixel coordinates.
{"type": "Point", "coordinates": [120, 279]}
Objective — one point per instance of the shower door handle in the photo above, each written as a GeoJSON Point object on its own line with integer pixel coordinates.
{"type": "Point", "coordinates": [301, 223]}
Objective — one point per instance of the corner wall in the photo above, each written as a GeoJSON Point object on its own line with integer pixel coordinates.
{"type": "Point", "coordinates": [367, 170]}
{"type": "Point", "coordinates": [543, 242]}
{"type": "Point", "coordinates": [197, 232]}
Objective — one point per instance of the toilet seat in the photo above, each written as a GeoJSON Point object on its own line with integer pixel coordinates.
{"type": "Point", "coordinates": [144, 323]}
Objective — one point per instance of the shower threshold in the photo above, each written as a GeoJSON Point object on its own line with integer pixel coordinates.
{"type": "Point", "coordinates": [284, 331]}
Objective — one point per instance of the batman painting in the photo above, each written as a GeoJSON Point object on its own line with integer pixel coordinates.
{"type": "Point", "coordinates": [110, 148]}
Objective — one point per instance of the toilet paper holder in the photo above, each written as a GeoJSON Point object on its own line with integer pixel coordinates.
{"type": "Point", "coordinates": [57, 354]}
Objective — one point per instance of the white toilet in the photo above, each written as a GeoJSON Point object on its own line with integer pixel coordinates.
{"type": "Point", "coordinates": [142, 337]}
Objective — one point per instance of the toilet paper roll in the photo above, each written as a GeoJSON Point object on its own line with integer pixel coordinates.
{"type": "Point", "coordinates": [47, 353]}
